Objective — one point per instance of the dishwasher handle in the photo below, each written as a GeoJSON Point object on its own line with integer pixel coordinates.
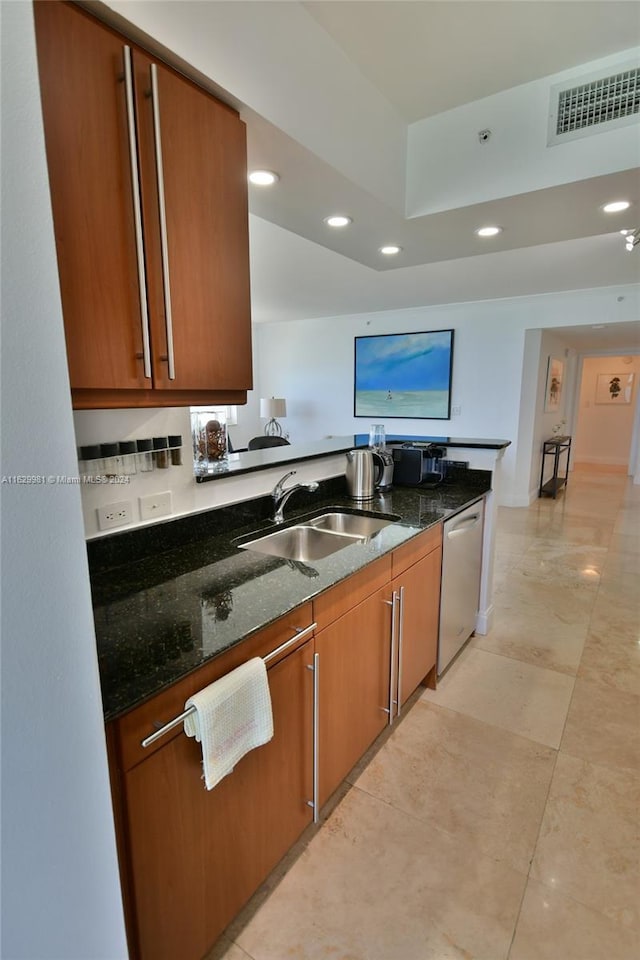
{"type": "Point", "coordinates": [466, 524]}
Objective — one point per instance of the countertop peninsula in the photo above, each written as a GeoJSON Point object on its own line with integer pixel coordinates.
{"type": "Point", "coordinates": [252, 460]}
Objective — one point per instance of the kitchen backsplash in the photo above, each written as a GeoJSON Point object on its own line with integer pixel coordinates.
{"type": "Point", "coordinates": [143, 494]}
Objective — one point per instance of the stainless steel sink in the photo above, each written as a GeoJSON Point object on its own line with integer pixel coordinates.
{"type": "Point", "coordinates": [300, 543]}
{"type": "Point", "coordinates": [355, 524]}
{"type": "Point", "coordinates": [319, 536]}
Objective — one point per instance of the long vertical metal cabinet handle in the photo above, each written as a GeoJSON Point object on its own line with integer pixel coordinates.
{"type": "Point", "coordinates": [393, 603]}
{"type": "Point", "coordinates": [400, 637]}
{"type": "Point", "coordinates": [137, 211]}
{"type": "Point", "coordinates": [315, 667]}
{"type": "Point", "coordinates": [316, 737]}
{"type": "Point", "coordinates": [162, 210]}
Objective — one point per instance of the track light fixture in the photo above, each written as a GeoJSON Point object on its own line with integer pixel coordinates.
{"type": "Point", "coordinates": [631, 238]}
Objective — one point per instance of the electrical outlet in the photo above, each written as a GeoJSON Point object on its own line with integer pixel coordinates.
{"type": "Point", "coordinates": [155, 505]}
{"type": "Point", "coordinates": [456, 411]}
{"type": "Point", "coordinates": [115, 514]}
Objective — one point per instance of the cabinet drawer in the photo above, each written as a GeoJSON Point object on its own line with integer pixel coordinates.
{"type": "Point", "coordinates": [408, 554]}
{"type": "Point", "coordinates": [134, 726]}
{"type": "Point", "coordinates": [336, 601]}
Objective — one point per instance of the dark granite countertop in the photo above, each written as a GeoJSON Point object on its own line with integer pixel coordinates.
{"type": "Point", "coordinates": [168, 598]}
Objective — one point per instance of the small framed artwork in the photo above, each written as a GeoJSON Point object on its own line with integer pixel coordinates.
{"type": "Point", "coordinates": [553, 391]}
{"type": "Point", "coordinates": [614, 389]}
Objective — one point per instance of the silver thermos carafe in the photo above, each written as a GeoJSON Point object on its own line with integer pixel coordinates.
{"type": "Point", "coordinates": [363, 473]}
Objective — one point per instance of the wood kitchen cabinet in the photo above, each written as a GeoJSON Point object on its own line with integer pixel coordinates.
{"type": "Point", "coordinates": [354, 662]}
{"type": "Point", "coordinates": [416, 570]}
{"type": "Point", "coordinates": [149, 194]}
{"type": "Point", "coordinates": [190, 858]}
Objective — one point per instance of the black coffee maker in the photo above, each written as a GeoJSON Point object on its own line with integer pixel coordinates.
{"type": "Point", "coordinates": [434, 466]}
{"type": "Point", "coordinates": [419, 466]}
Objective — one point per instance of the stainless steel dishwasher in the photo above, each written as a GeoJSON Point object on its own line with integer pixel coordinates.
{"type": "Point", "coordinates": [460, 590]}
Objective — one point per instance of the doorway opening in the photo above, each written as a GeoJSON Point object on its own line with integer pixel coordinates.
{"type": "Point", "coordinates": [606, 414]}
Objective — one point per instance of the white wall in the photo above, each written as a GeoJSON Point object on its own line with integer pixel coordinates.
{"type": "Point", "coordinates": [553, 423]}
{"type": "Point", "coordinates": [529, 391]}
{"type": "Point", "coordinates": [60, 887]}
{"type": "Point", "coordinates": [447, 166]}
{"type": "Point", "coordinates": [603, 432]}
{"type": "Point", "coordinates": [312, 361]}
{"type": "Point", "coordinates": [500, 356]}
{"type": "Point", "coordinates": [634, 457]}
{"type": "Point", "coordinates": [187, 496]}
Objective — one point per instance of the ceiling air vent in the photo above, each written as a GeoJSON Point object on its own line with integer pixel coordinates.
{"type": "Point", "coordinates": [612, 100]}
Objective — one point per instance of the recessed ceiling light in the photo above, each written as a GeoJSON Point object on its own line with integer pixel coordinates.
{"type": "Point", "coordinates": [263, 178]}
{"type": "Point", "coordinates": [488, 231]}
{"type": "Point", "coordinates": [390, 250]}
{"type": "Point", "coordinates": [617, 206]}
{"type": "Point", "coordinates": [338, 220]}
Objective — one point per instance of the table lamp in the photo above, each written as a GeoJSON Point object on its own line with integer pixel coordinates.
{"type": "Point", "coordinates": [270, 408]}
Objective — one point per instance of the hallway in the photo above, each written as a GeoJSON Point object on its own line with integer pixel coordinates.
{"type": "Point", "coordinates": [499, 820]}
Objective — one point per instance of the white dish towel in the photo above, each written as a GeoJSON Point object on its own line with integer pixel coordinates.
{"type": "Point", "coordinates": [232, 716]}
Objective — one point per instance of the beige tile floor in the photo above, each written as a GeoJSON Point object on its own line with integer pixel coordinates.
{"type": "Point", "coordinates": [499, 820]}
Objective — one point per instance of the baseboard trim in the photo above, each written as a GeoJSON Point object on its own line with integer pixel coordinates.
{"type": "Point", "coordinates": [520, 500]}
{"type": "Point", "coordinates": [601, 466]}
{"type": "Point", "coordinates": [484, 620]}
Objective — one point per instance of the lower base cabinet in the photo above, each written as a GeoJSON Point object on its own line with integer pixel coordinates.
{"type": "Point", "coordinates": [191, 858]}
{"type": "Point", "coordinates": [194, 857]}
{"type": "Point", "coordinates": [417, 588]}
{"type": "Point", "coordinates": [354, 657]}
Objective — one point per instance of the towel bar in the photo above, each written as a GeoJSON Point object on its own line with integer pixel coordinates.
{"type": "Point", "coordinates": [300, 632]}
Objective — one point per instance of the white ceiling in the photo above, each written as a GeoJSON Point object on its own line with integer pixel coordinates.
{"type": "Point", "coordinates": [427, 57]}
{"type": "Point", "coordinates": [293, 278]}
{"type": "Point", "coordinates": [620, 338]}
{"type": "Point", "coordinates": [423, 58]}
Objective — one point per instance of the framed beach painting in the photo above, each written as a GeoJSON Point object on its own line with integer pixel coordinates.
{"type": "Point", "coordinates": [404, 375]}
{"type": "Point", "coordinates": [553, 389]}
{"type": "Point", "coordinates": [614, 389]}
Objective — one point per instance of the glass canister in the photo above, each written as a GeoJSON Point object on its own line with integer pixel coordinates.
{"type": "Point", "coordinates": [91, 463]}
{"type": "Point", "coordinates": [161, 452]}
{"type": "Point", "coordinates": [377, 436]}
{"type": "Point", "coordinates": [175, 449]}
{"type": "Point", "coordinates": [111, 462]}
{"type": "Point", "coordinates": [144, 455]}
{"type": "Point", "coordinates": [128, 450]}
{"type": "Point", "coordinates": [209, 434]}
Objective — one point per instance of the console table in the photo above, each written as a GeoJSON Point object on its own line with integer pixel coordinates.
{"type": "Point", "coordinates": [556, 448]}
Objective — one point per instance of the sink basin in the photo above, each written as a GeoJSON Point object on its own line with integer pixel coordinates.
{"type": "Point", "coordinates": [300, 543]}
{"type": "Point", "coordinates": [320, 536]}
{"type": "Point", "coordinates": [354, 524]}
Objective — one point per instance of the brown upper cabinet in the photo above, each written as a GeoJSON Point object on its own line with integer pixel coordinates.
{"type": "Point", "coordinates": [148, 178]}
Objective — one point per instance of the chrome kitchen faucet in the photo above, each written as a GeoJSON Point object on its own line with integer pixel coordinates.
{"type": "Point", "coordinates": [280, 495]}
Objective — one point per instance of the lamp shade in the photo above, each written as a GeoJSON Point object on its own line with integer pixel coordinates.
{"type": "Point", "coordinates": [273, 407]}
